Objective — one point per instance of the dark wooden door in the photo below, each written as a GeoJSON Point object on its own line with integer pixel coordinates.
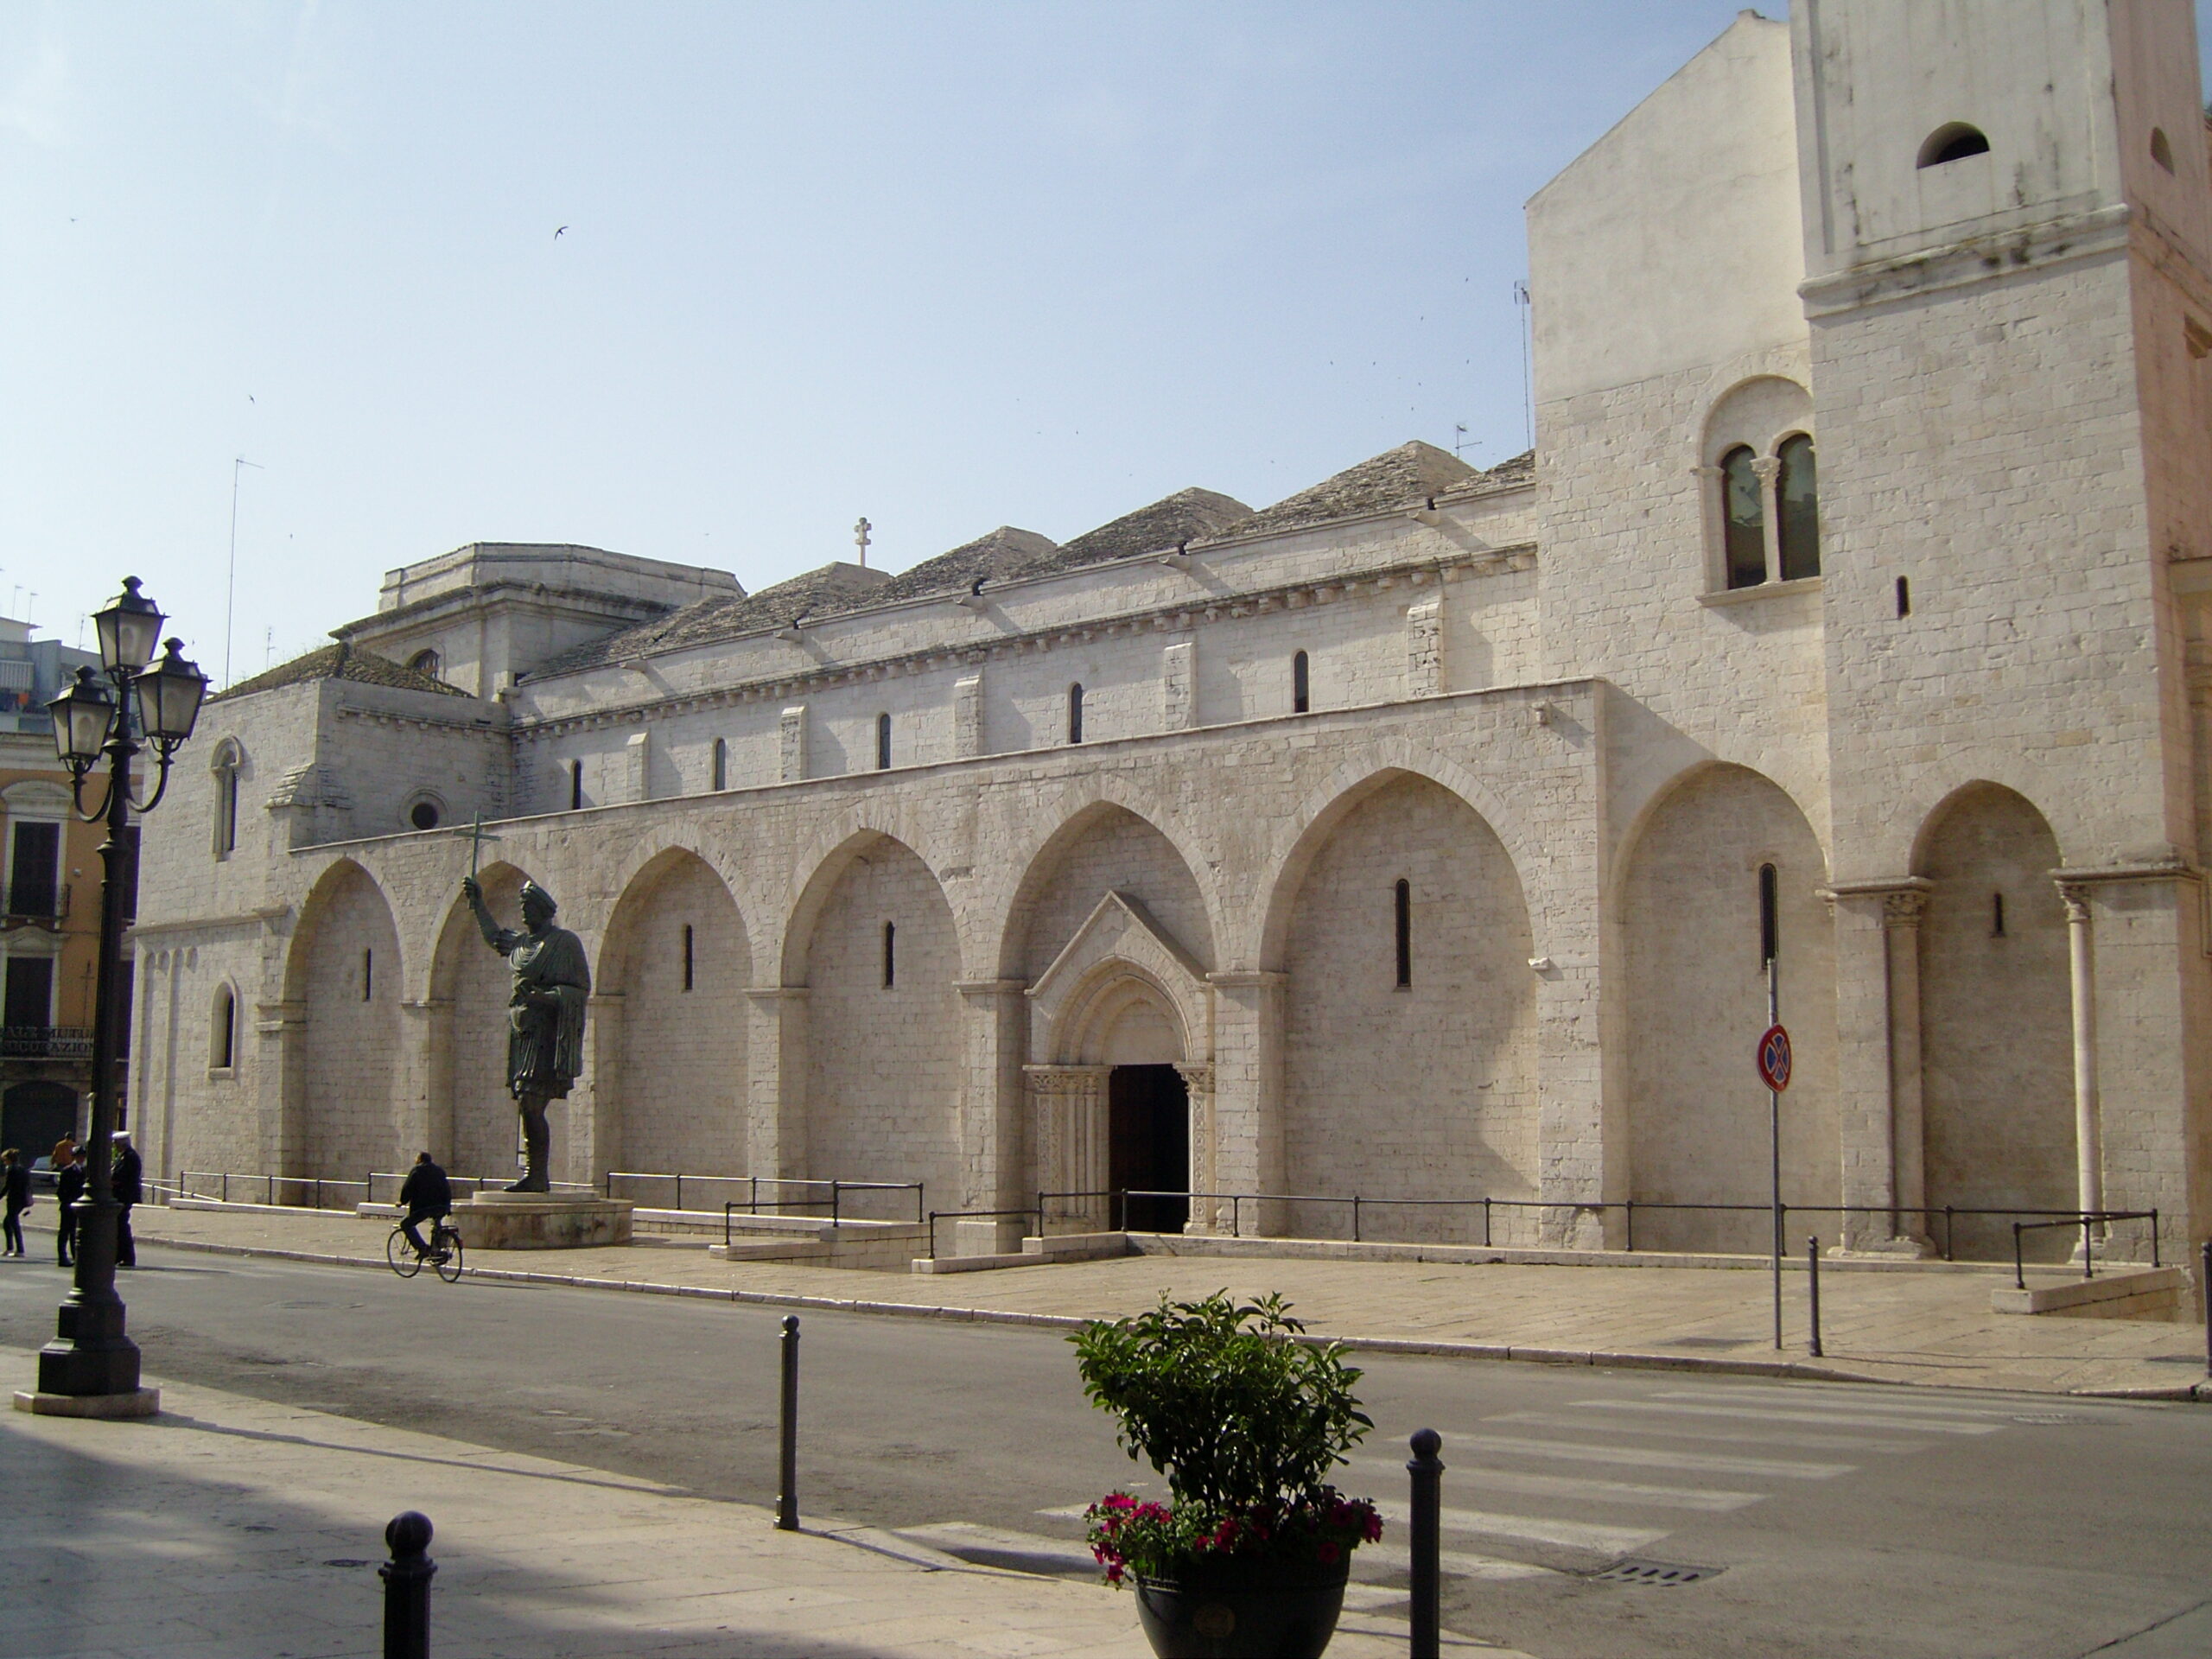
{"type": "Point", "coordinates": [1149, 1145]}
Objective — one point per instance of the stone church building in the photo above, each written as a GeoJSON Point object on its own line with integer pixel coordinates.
{"type": "Point", "coordinates": [1425, 836]}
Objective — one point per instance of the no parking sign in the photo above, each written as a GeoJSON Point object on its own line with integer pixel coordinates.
{"type": "Point", "coordinates": [1774, 1058]}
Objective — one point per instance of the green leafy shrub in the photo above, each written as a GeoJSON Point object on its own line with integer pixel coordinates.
{"type": "Point", "coordinates": [1243, 1420]}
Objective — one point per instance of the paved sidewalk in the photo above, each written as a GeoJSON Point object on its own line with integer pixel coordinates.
{"type": "Point", "coordinates": [1920, 1327]}
{"type": "Point", "coordinates": [229, 1528]}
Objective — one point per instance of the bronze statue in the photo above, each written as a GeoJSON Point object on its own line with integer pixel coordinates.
{"type": "Point", "coordinates": [545, 1014]}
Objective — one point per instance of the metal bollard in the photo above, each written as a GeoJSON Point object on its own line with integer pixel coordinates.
{"type": "Point", "coordinates": [407, 1586]}
{"type": "Point", "coordinates": [1427, 1471]}
{"type": "Point", "coordinates": [787, 1492]}
{"type": "Point", "coordinates": [2205, 1296]}
{"type": "Point", "coordinates": [1813, 1281]}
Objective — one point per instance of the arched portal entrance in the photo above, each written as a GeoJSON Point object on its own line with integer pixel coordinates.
{"type": "Point", "coordinates": [1148, 1147]}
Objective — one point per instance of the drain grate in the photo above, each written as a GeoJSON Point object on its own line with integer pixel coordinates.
{"type": "Point", "coordinates": [1634, 1571]}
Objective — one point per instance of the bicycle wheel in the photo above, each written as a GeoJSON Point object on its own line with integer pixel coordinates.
{"type": "Point", "coordinates": [401, 1254]}
{"type": "Point", "coordinates": [447, 1240]}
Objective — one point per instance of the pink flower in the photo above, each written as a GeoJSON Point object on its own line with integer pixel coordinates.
{"type": "Point", "coordinates": [1328, 1553]}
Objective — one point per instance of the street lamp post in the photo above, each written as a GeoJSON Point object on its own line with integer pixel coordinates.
{"type": "Point", "coordinates": [90, 1369]}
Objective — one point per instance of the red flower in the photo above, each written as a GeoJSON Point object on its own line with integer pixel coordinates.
{"type": "Point", "coordinates": [1328, 1553]}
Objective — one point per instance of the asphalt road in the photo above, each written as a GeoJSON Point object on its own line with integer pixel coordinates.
{"type": "Point", "coordinates": [1843, 1521]}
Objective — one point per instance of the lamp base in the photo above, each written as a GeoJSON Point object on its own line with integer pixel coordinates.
{"type": "Point", "coordinates": [139, 1402]}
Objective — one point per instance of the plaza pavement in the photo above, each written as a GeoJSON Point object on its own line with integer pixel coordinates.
{"type": "Point", "coordinates": [229, 1528]}
{"type": "Point", "coordinates": [1930, 1327]}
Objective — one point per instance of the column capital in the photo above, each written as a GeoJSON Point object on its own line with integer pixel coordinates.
{"type": "Point", "coordinates": [1064, 1079]}
{"type": "Point", "coordinates": [2075, 895]}
{"type": "Point", "coordinates": [1197, 1075]}
{"type": "Point", "coordinates": [1764, 468]}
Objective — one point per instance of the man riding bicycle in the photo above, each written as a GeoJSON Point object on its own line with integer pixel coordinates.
{"type": "Point", "coordinates": [427, 1196]}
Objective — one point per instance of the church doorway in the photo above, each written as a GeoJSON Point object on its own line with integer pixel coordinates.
{"type": "Point", "coordinates": [1148, 1145]}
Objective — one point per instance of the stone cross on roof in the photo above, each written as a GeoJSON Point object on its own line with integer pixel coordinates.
{"type": "Point", "coordinates": [861, 540]}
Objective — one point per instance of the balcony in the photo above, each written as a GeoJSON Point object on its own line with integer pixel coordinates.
{"type": "Point", "coordinates": [36, 904]}
{"type": "Point", "coordinates": [46, 1042]}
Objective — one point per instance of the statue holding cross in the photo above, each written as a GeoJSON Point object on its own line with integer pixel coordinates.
{"type": "Point", "coordinates": [545, 1014]}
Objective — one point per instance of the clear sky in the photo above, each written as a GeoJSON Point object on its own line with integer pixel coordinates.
{"type": "Point", "coordinates": [948, 265]}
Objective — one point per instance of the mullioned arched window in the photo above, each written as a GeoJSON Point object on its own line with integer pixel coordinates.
{"type": "Point", "coordinates": [1743, 518]}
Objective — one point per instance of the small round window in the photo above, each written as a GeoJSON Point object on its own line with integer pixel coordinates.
{"type": "Point", "coordinates": [424, 815]}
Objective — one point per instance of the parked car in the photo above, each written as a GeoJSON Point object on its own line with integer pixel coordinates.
{"type": "Point", "coordinates": [42, 1172]}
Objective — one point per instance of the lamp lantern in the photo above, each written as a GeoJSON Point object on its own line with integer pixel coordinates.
{"type": "Point", "coordinates": [82, 717]}
{"type": "Point", "coordinates": [129, 629]}
{"type": "Point", "coordinates": [168, 697]}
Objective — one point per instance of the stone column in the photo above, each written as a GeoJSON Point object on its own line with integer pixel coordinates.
{"type": "Point", "coordinates": [993, 1168]}
{"type": "Point", "coordinates": [2081, 963]}
{"type": "Point", "coordinates": [1768, 470]}
{"type": "Point", "coordinates": [1248, 1091]}
{"type": "Point", "coordinates": [776, 1062]}
{"type": "Point", "coordinates": [1901, 914]}
{"type": "Point", "coordinates": [1877, 1063]}
{"type": "Point", "coordinates": [283, 1029]}
{"type": "Point", "coordinates": [1067, 1130]}
{"type": "Point", "coordinates": [599, 1100]}
{"type": "Point", "coordinates": [1207, 1216]}
{"type": "Point", "coordinates": [418, 1099]}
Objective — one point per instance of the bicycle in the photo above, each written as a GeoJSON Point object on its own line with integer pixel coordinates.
{"type": "Point", "coordinates": [444, 1253]}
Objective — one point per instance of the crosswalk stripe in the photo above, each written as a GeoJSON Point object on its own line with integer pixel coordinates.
{"type": "Point", "coordinates": [1709, 1432]}
{"type": "Point", "coordinates": [1866, 1401]}
{"type": "Point", "coordinates": [1390, 1557]}
{"type": "Point", "coordinates": [1652, 1457]}
{"type": "Point", "coordinates": [1580, 1489]}
{"type": "Point", "coordinates": [1878, 1398]}
{"type": "Point", "coordinates": [1768, 1414]}
{"type": "Point", "coordinates": [1533, 1529]}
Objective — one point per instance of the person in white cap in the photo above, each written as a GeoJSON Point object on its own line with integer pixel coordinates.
{"type": "Point", "coordinates": [127, 1183]}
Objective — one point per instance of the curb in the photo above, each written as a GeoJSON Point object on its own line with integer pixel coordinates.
{"type": "Point", "coordinates": [1788, 1369]}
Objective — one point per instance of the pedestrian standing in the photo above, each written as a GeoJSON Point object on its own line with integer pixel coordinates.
{"type": "Point", "coordinates": [68, 1188]}
{"type": "Point", "coordinates": [128, 1185]}
{"type": "Point", "coordinates": [15, 1198]}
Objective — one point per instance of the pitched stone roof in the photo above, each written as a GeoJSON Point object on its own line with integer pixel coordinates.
{"type": "Point", "coordinates": [828, 590]}
{"type": "Point", "coordinates": [1187, 516]}
{"type": "Point", "coordinates": [342, 661]}
{"type": "Point", "coordinates": [1403, 477]}
{"type": "Point", "coordinates": [1002, 555]}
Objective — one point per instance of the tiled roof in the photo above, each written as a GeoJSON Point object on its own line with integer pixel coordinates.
{"type": "Point", "coordinates": [1403, 477]}
{"type": "Point", "coordinates": [829, 591]}
{"type": "Point", "coordinates": [1001, 555]}
{"type": "Point", "coordinates": [343, 662]}
{"type": "Point", "coordinates": [1187, 516]}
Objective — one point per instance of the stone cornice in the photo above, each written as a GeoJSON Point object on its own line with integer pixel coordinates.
{"type": "Point", "coordinates": [1166, 619]}
{"type": "Point", "coordinates": [2101, 232]}
{"type": "Point", "coordinates": [2087, 875]}
{"type": "Point", "coordinates": [261, 916]}
{"type": "Point", "coordinates": [481, 726]}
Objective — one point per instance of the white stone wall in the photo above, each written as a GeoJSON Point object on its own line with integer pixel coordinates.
{"type": "Point", "coordinates": [350, 987]}
{"type": "Point", "coordinates": [1424, 1090]}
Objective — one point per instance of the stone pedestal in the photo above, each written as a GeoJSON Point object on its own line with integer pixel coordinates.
{"type": "Point", "coordinates": [541, 1221]}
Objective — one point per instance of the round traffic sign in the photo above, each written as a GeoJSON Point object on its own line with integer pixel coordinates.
{"type": "Point", "coordinates": [1774, 1058]}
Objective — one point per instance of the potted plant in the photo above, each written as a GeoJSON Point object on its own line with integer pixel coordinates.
{"type": "Point", "coordinates": [1248, 1559]}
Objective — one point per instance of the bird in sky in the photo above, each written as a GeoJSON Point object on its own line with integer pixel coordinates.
{"type": "Point", "coordinates": [557, 234]}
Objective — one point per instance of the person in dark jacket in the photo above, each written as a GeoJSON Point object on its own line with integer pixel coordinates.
{"type": "Point", "coordinates": [127, 1180]}
{"type": "Point", "coordinates": [427, 1196]}
{"type": "Point", "coordinates": [68, 1188]}
{"type": "Point", "coordinates": [15, 1198]}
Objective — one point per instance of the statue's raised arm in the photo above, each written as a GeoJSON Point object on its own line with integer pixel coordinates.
{"type": "Point", "coordinates": [501, 939]}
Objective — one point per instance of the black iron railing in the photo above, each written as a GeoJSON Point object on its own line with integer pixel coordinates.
{"type": "Point", "coordinates": [1357, 1207]}
{"type": "Point", "coordinates": [2088, 1221]}
{"type": "Point", "coordinates": [936, 1215]}
{"type": "Point", "coordinates": [834, 1201]}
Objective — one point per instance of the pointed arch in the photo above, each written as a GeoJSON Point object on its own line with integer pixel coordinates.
{"type": "Point", "coordinates": [669, 1049]}
{"type": "Point", "coordinates": [1690, 955]}
{"type": "Point", "coordinates": [1103, 847]}
{"type": "Point", "coordinates": [1995, 1008]}
{"type": "Point", "coordinates": [472, 1114]}
{"type": "Point", "coordinates": [343, 972]}
{"type": "Point", "coordinates": [1318, 816]}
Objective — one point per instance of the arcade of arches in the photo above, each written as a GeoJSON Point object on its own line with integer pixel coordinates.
{"type": "Point", "coordinates": [1099, 1029]}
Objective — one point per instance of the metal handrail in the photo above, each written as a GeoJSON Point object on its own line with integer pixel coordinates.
{"type": "Point", "coordinates": [1358, 1202]}
{"type": "Point", "coordinates": [936, 1215]}
{"type": "Point", "coordinates": [837, 1190]}
{"type": "Point", "coordinates": [2088, 1221]}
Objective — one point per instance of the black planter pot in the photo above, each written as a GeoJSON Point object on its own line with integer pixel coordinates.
{"type": "Point", "coordinates": [1228, 1609]}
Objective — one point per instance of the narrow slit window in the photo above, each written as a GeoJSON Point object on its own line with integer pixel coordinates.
{"type": "Point", "coordinates": [1301, 685]}
{"type": "Point", "coordinates": [1075, 713]}
{"type": "Point", "coordinates": [1904, 598]}
{"type": "Point", "coordinates": [226, 1030]}
{"type": "Point", "coordinates": [226, 800]}
{"type": "Point", "coordinates": [575, 786]}
{"type": "Point", "coordinates": [719, 769]}
{"type": "Point", "coordinates": [1770, 916]}
{"type": "Point", "coordinates": [368, 975]}
{"type": "Point", "coordinates": [890, 955]}
{"type": "Point", "coordinates": [1403, 898]}
{"type": "Point", "coordinates": [1996, 915]}
{"type": "Point", "coordinates": [1798, 492]}
{"type": "Point", "coordinates": [883, 742]}
{"type": "Point", "coordinates": [687, 956]}
{"type": "Point", "coordinates": [1743, 519]}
